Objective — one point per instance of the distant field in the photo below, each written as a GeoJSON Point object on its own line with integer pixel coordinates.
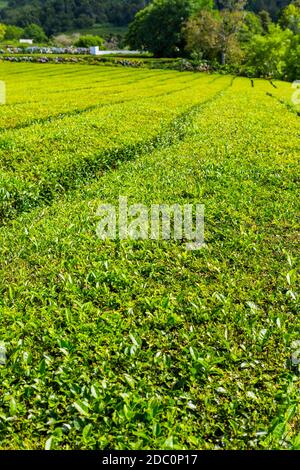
{"type": "Point", "coordinates": [142, 344]}
{"type": "Point", "coordinates": [103, 30]}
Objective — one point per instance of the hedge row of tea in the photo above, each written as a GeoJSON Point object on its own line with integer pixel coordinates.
{"type": "Point", "coordinates": [143, 344]}
{"type": "Point", "coordinates": [75, 130]}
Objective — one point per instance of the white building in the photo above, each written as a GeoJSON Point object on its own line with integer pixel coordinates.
{"type": "Point", "coordinates": [26, 41]}
{"type": "Point", "coordinates": [95, 51]}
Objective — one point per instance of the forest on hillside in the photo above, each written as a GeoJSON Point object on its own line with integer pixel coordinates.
{"type": "Point", "coordinates": [63, 15]}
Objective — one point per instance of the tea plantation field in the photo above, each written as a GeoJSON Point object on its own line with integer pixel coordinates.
{"type": "Point", "coordinates": [143, 344]}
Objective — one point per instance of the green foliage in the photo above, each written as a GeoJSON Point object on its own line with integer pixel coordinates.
{"type": "Point", "coordinates": [2, 31]}
{"type": "Point", "coordinates": [215, 35]}
{"type": "Point", "coordinates": [89, 41]}
{"type": "Point", "coordinates": [157, 28]}
{"type": "Point", "coordinates": [13, 32]}
{"type": "Point", "coordinates": [35, 32]}
{"type": "Point", "coordinates": [290, 18]}
{"type": "Point", "coordinates": [142, 344]}
{"type": "Point", "coordinates": [201, 33]}
{"type": "Point", "coordinates": [265, 20]}
{"type": "Point", "coordinates": [232, 5]}
{"type": "Point", "coordinates": [250, 26]}
{"type": "Point", "coordinates": [57, 17]}
{"type": "Point", "coordinates": [268, 53]}
{"type": "Point", "coordinates": [292, 59]}
{"type": "Point", "coordinates": [264, 48]}
{"type": "Point", "coordinates": [273, 7]}
{"type": "Point", "coordinates": [198, 5]}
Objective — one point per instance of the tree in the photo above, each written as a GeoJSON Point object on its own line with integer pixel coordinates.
{"type": "Point", "coordinates": [265, 20]}
{"type": "Point", "coordinates": [232, 17]}
{"type": "Point", "coordinates": [89, 41]}
{"type": "Point", "coordinates": [292, 67]}
{"type": "Point", "coordinates": [158, 27]}
{"type": "Point", "coordinates": [2, 31]}
{"type": "Point", "coordinates": [199, 5]}
{"type": "Point", "coordinates": [290, 18]}
{"type": "Point", "coordinates": [230, 25]}
{"type": "Point", "coordinates": [13, 32]}
{"type": "Point", "coordinates": [273, 7]}
{"type": "Point", "coordinates": [35, 32]}
{"type": "Point", "coordinates": [201, 32]}
{"type": "Point", "coordinates": [57, 16]}
{"type": "Point", "coordinates": [267, 54]}
{"type": "Point", "coordinates": [215, 35]}
{"type": "Point", "coordinates": [249, 27]}
{"type": "Point", "coordinates": [23, 16]}
{"type": "Point", "coordinates": [232, 5]}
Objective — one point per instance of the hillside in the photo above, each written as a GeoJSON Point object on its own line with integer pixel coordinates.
{"type": "Point", "coordinates": [66, 15]}
{"type": "Point", "coordinates": [56, 16]}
